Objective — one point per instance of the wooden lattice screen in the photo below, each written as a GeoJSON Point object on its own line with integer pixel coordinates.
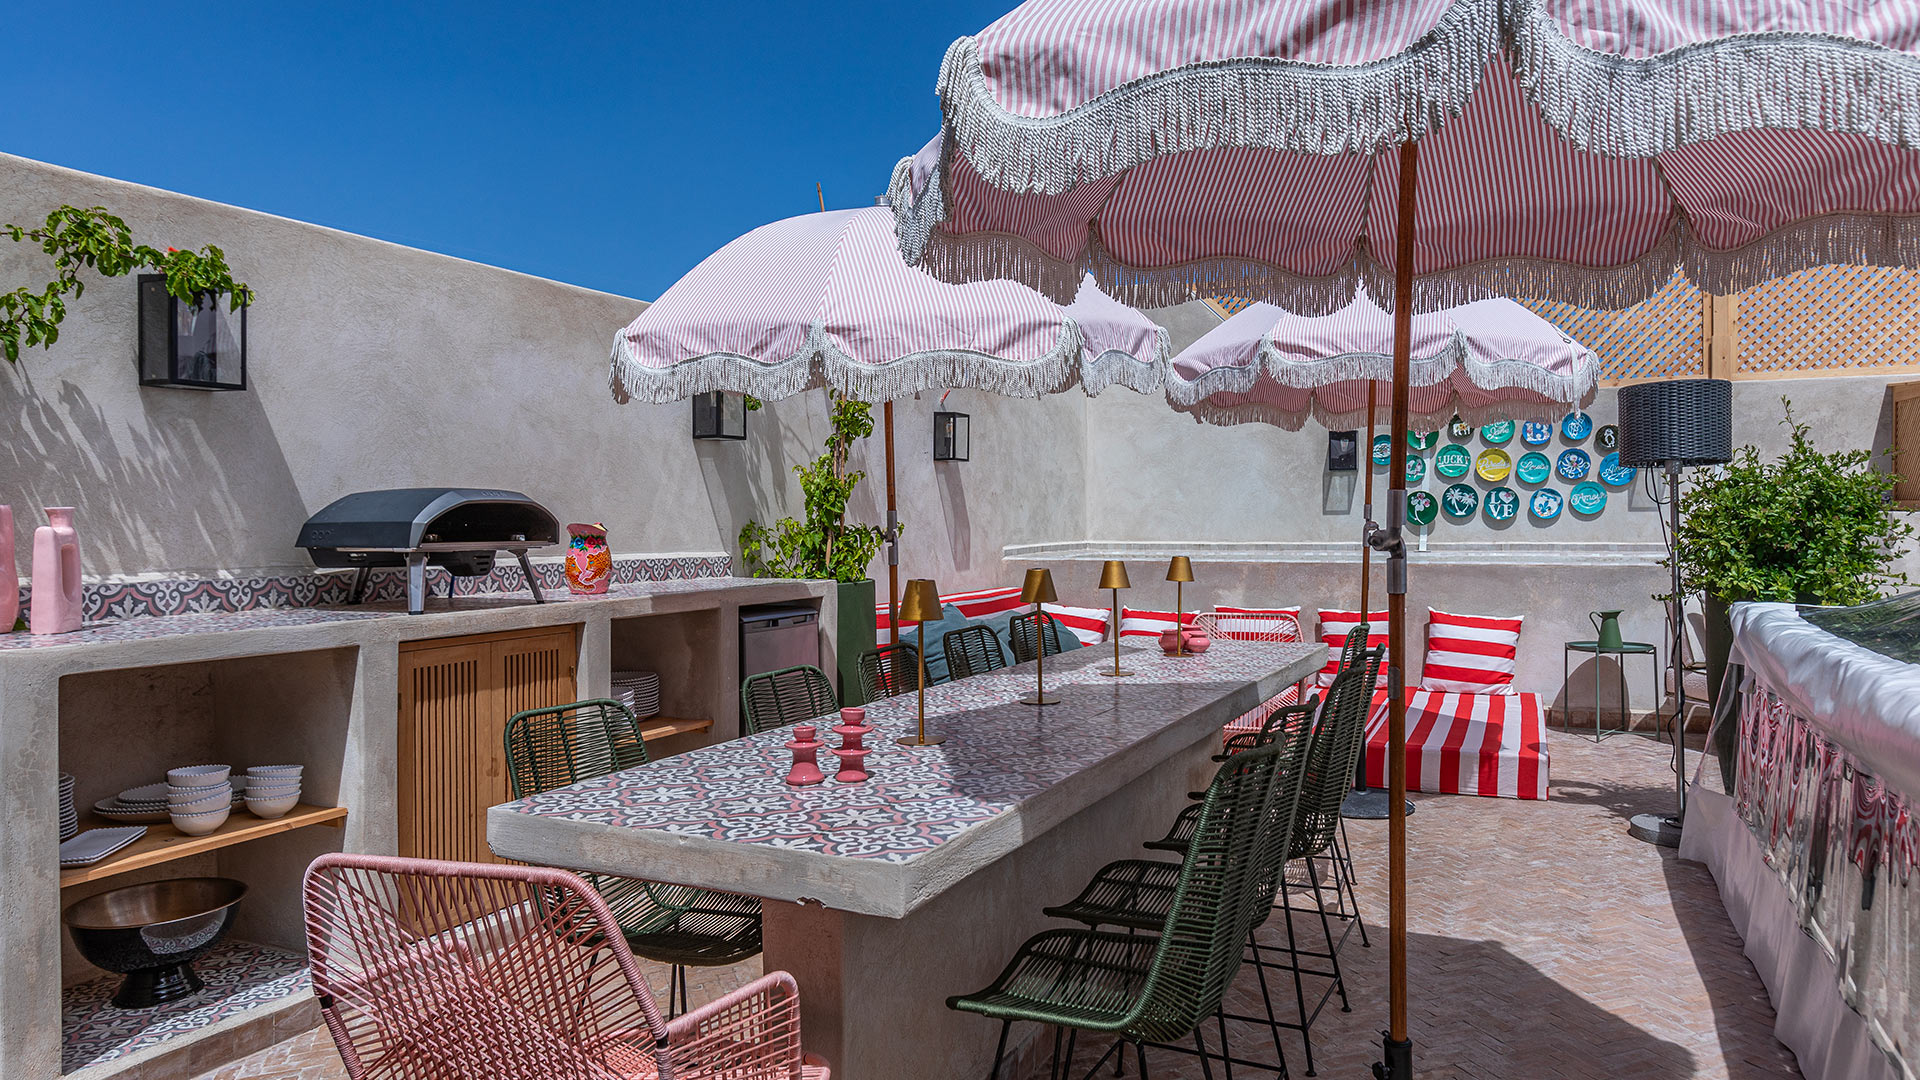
{"type": "Point", "coordinates": [1658, 338]}
{"type": "Point", "coordinates": [1859, 318]}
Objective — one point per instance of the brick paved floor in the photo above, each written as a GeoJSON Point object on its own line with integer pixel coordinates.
{"type": "Point", "coordinates": [1544, 943]}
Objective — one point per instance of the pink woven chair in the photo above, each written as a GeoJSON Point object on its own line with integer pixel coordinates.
{"type": "Point", "coordinates": [1271, 629]}
{"type": "Point", "coordinates": [431, 970]}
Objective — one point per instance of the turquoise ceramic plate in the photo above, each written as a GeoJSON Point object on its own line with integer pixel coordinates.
{"type": "Point", "coordinates": [1545, 504]}
{"type": "Point", "coordinates": [1382, 449]}
{"type": "Point", "coordinates": [1614, 474]}
{"type": "Point", "coordinates": [1502, 504]}
{"type": "Point", "coordinates": [1573, 464]}
{"type": "Point", "coordinates": [1498, 433]}
{"type": "Point", "coordinates": [1536, 433]}
{"type": "Point", "coordinates": [1452, 461]}
{"type": "Point", "coordinates": [1459, 429]}
{"type": "Point", "coordinates": [1416, 468]}
{"type": "Point", "coordinates": [1533, 468]}
{"type": "Point", "coordinates": [1422, 440]}
{"type": "Point", "coordinates": [1576, 426]}
{"type": "Point", "coordinates": [1460, 501]}
{"type": "Point", "coordinates": [1421, 507]}
{"type": "Point", "coordinates": [1587, 497]}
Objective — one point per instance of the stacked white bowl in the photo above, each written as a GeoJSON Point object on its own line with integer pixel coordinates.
{"type": "Point", "coordinates": [199, 798]}
{"type": "Point", "coordinates": [272, 790]}
{"type": "Point", "coordinates": [69, 818]}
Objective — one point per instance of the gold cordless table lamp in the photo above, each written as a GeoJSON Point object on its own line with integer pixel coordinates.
{"type": "Point", "coordinates": [1179, 571]}
{"type": "Point", "coordinates": [921, 605]}
{"type": "Point", "coordinates": [1114, 576]}
{"type": "Point", "coordinates": [1038, 590]}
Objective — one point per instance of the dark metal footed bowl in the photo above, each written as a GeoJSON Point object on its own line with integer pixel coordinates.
{"type": "Point", "coordinates": [152, 933]}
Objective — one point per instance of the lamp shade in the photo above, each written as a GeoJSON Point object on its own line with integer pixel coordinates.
{"type": "Point", "coordinates": [1113, 575]}
{"type": "Point", "coordinates": [1038, 588]}
{"type": "Point", "coordinates": [921, 603]}
{"type": "Point", "coordinates": [1180, 569]}
{"type": "Point", "coordinates": [1689, 421]}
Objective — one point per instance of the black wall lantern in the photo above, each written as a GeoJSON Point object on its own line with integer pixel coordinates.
{"type": "Point", "coordinates": [719, 415]}
{"type": "Point", "coordinates": [1343, 451]}
{"type": "Point", "coordinates": [195, 346]}
{"type": "Point", "coordinates": [951, 437]}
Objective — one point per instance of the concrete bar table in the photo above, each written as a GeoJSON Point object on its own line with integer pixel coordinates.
{"type": "Point", "coordinates": [885, 897]}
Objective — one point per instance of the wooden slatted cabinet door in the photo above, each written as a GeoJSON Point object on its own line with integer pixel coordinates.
{"type": "Point", "coordinates": [446, 696]}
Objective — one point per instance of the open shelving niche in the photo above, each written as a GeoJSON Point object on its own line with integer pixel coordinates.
{"type": "Point", "coordinates": [125, 727]}
{"type": "Point", "coordinates": [686, 649]}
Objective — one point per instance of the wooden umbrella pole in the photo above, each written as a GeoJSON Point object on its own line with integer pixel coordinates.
{"type": "Point", "coordinates": [1366, 458]}
{"type": "Point", "coordinates": [893, 532]}
{"type": "Point", "coordinates": [1398, 1047]}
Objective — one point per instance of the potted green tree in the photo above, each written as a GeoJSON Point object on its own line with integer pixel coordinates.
{"type": "Point", "coordinates": [822, 544]}
{"type": "Point", "coordinates": [1807, 528]}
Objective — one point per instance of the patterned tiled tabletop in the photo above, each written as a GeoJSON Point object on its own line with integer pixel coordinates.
{"type": "Point", "coordinates": [1000, 757]}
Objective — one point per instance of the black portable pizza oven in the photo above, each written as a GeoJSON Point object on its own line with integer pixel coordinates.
{"type": "Point", "coordinates": [460, 529]}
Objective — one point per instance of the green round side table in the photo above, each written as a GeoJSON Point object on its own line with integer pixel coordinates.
{"type": "Point", "coordinates": [1625, 649]}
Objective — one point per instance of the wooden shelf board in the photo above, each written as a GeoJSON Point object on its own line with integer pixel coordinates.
{"type": "Point", "coordinates": [663, 727]}
{"type": "Point", "coordinates": [164, 843]}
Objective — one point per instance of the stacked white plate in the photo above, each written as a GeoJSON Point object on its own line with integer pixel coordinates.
{"type": "Point", "coordinates": [639, 691]}
{"type": "Point", "coordinates": [69, 817]}
{"type": "Point", "coordinates": [95, 844]}
{"type": "Point", "coordinates": [272, 790]}
{"type": "Point", "coordinates": [136, 806]}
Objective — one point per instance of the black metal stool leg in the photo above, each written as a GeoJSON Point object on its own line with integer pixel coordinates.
{"type": "Point", "coordinates": [1000, 1051]}
{"type": "Point", "coordinates": [1200, 1044]}
{"type": "Point", "coordinates": [1299, 984]}
{"type": "Point", "coordinates": [1333, 948]}
{"type": "Point", "coordinates": [1266, 998]}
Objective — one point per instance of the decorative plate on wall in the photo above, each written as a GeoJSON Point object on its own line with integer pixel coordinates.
{"type": "Point", "coordinates": [1614, 474]}
{"type": "Point", "coordinates": [1420, 440]}
{"type": "Point", "coordinates": [1587, 498]}
{"type": "Point", "coordinates": [1460, 500]}
{"type": "Point", "coordinates": [1421, 507]}
{"type": "Point", "coordinates": [1416, 468]}
{"type": "Point", "coordinates": [1607, 438]}
{"type": "Point", "coordinates": [1498, 433]}
{"type": "Point", "coordinates": [1573, 464]}
{"type": "Point", "coordinates": [1493, 465]}
{"type": "Point", "coordinates": [1545, 504]}
{"type": "Point", "coordinates": [1459, 429]}
{"type": "Point", "coordinates": [1536, 433]}
{"type": "Point", "coordinates": [1502, 504]}
{"type": "Point", "coordinates": [1576, 426]}
{"type": "Point", "coordinates": [1382, 449]}
{"type": "Point", "coordinates": [1452, 461]}
{"type": "Point", "coordinates": [1533, 468]}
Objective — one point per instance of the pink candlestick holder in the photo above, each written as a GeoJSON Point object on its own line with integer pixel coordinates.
{"type": "Point", "coordinates": [806, 757]}
{"type": "Point", "coordinates": [852, 729]}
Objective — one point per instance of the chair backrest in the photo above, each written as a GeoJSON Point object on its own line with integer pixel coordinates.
{"type": "Point", "coordinates": [1201, 942]}
{"type": "Point", "coordinates": [889, 670]}
{"type": "Point", "coordinates": [1342, 729]}
{"type": "Point", "coordinates": [554, 747]}
{"type": "Point", "coordinates": [1294, 730]}
{"type": "Point", "coordinates": [1273, 629]}
{"type": "Point", "coordinates": [428, 970]}
{"type": "Point", "coordinates": [788, 696]}
{"type": "Point", "coordinates": [972, 650]}
{"type": "Point", "coordinates": [1021, 633]}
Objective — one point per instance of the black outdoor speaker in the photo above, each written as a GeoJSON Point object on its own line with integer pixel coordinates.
{"type": "Point", "coordinates": [1685, 420]}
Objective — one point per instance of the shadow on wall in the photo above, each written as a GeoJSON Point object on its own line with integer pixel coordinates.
{"type": "Point", "coordinates": [753, 480]}
{"type": "Point", "coordinates": [167, 495]}
{"type": "Point", "coordinates": [953, 503]}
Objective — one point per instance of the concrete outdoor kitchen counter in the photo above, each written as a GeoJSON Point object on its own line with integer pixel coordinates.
{"type": "Point", "coordinates": [919, 882]}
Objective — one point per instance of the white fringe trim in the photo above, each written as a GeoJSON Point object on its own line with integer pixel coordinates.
{"type": "Point", "coordinates": [1641, 106]}
{"type": "Point", "coordinates": [1421, 423]}
{"type": "Point", "coordinates": [1265, 102]}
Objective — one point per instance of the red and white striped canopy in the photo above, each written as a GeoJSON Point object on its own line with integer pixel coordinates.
{"type": "Point", "coordinates": [825, 300]}
{"type": "Point", "coordinates": [1577, 150]}
{"type": "Point", "coordinates": [1491, 359]}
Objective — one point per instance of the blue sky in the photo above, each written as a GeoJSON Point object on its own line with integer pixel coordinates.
{"type": "Point", "coordinates": [609, 145]}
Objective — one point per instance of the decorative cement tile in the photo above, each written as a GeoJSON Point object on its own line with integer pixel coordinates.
{"type": "Point", "coordinates": [239, 976]}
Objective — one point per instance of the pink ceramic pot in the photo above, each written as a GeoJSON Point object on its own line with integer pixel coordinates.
{"type": "Point", "coordinates": [1197, 641]}
{"type": "Point", "coordinates": [57, 595]}
{"type": "Point", "coordinates": [9, 573]}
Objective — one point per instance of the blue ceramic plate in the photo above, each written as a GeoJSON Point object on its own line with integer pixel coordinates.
{"type": "Point", "coordinates": [1536, 433]}
{"type": "Point", "coordinates": [1422, 440]}
{"type": "Point", "coordinates": [1416, 468]}
{"type": "Point", "coordinates": [1421, 507]}
{"type": "Point", "coordinates": [1502, 504]}
{"type": "Point", "coordinates": [1460, 501]}
{"type": "Point", "coordinates": [1576, 426]}
{"type": "Point", "coordinates": [1614, 474]}
{"type": "Point", "coordinates": [1587, 498]}
{"type": "Point", "coordinates": [1498, 433]}
{"type": "Point", "coordinates": [1545, 504]}
{"type": "Point", "coordinates": [1533, 468]}
{"type": "Point", "coordinates": [1573, 464]}
{"type": "Point", "coordinates": [1452, 461]}
{"type": "Point", "coordinates": [1382, 449]}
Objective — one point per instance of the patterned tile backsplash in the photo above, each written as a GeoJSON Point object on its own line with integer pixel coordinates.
{"type": "Point", "coordinates": [182, 596]}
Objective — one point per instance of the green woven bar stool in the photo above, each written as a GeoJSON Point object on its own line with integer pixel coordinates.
{"type": "Point", "coordinates": [789, 696]}
{"type": "Point", "coordinates": [1020, 631]}
{"type": "Point", "coordinates": [670, 924]}
{"type": "Point", "coordinates": [889, 670]}
{"type": "Point", "coordinates": [1152, 989]}
{"type": "Point", "coordinates": [972, 650]}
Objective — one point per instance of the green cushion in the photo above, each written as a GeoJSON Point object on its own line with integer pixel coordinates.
{"type": "Point", "coordinates": [1002, 625]}
{"type": "Point", "coordinates": [950, 619]}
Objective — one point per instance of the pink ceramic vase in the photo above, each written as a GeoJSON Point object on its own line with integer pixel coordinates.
{"type": "Point", "coordinates": [589, 560]}
{"type": "Point", "coordinates": [806, 757]}
{"type": "Point", "coordinates": [10, 580]}
{"type": "Point", "coordinates": [852, 729]}
{"type": "Point", "coordinates": [57, 597]}
{"type": "Point", "coordinates": [1196, 641]}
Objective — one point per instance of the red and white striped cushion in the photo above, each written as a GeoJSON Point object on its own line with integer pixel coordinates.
{"type": "Point", "coordinates": [983, 602]}
{"type": "Point", "coordinates": [1334, 628]}
{"type": "Point", "coordinates": [1466, 744]}
{"type": "Point", "coordinates": [1087, 624]}
{"type": "Point", "coordinates": [1151, 624]}
{"type": "Point", "coordinates": [1260, 621]}
{"type": "Point", "coordinates": [1470, 654]}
